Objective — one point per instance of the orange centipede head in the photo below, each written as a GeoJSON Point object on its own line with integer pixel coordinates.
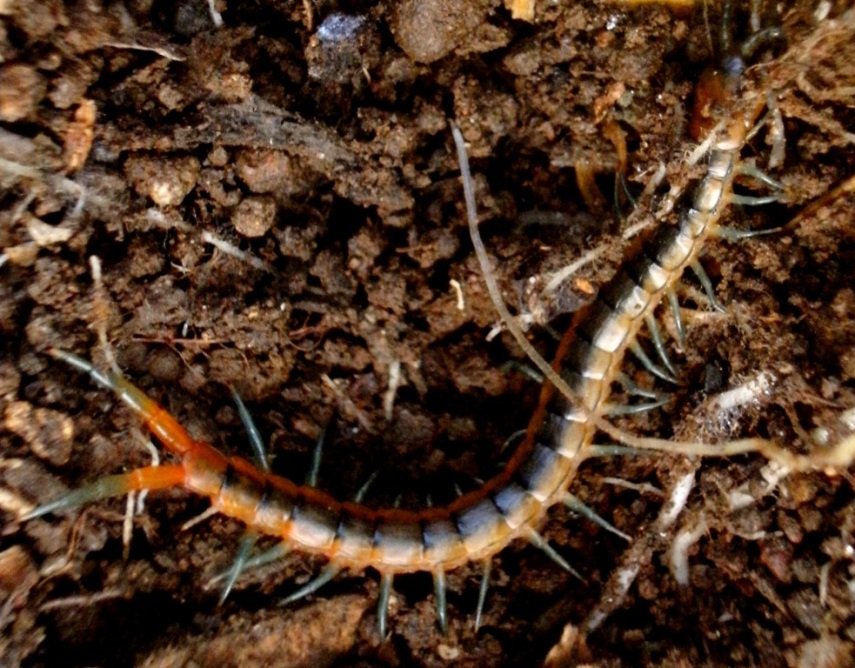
{"type": "Point", "coordinates": [715, 89]}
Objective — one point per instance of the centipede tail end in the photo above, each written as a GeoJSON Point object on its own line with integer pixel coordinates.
{"type": "Point", "coordinates": [151, 477]}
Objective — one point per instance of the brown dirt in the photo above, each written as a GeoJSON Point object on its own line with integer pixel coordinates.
{"type": "Point", "coordinates": [315, 138]}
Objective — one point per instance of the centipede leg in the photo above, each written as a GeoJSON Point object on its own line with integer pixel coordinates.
{"type": "Point", "coordinates": [150, 477]}
{"type": "Point", "coordinates": [733, 234]}
{"type": "Point", "coordinates": [255, 440]}
{"type": "Point", "coordinates": [678, 319]}
{"type": "Point", "coordinates": [249, 540]}
{"type": "Point", "coordinates": [656, 336]}
{"type": "Point", "coordinates": [541, 543]}
{"type": "Point", "coordinates": [275, 553]}
{"type": "Point", "coordinates": [486, 567]}
{"type": "Point", "coordinates": [706, 284]}
{"type": "Point", "coordinates": [511, 440]}
{"type": "Point", "coordinates": [753, 200]}
{"type": "Point", "coordinates": [760, 38]}
{"type": "Point", "coordinates": [247, 544]}
{"type": "Point", "coordinates": [328, 573]}
{"type": "Point", "coordinates": [753, 172]}
{"type": "Point", "coordinates": [620, 410]}
{"type": "Point", "coordinates": [362, 491]}
{"type": "Point", "coordinates": [317, 455]}
{"type": "Point", "coordinates": [649, 364]}
{"type": "Point", "coordinates": [386, 580]}
{"type": "Point", "coordinates": [630, 386]}
{"type": "Point", "coordinates": [573, 503]}
{"type": "Point", "coordinates": [439, 588]}
{"type": "Point", "coordinates": [523, 369]}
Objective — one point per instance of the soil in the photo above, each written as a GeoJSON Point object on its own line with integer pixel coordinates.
{"type": "Point", "coordinates": [272, 191]}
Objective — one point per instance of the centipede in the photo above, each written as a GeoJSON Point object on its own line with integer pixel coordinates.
{"type": "Point", "coordinates": [477, 525]}
{"type": "Point", "coordinates": [561, 435]}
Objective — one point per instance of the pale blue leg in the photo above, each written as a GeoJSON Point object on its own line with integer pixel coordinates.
{"type": "Point", "coordinates": [636, 349]}
{"type": "Point", "coordinates": [327, 574]}
{"type": "Point", "coordinates": [247, 543]}
{"type": "Point", "coordinates": [439, 588]}
{"type": "Point", "coordinates": [678, 319]}
{"type": "Point", "coordinates": [619, 410]}
{"type": "Point", "coordinates": [706, 284]}
{"type": "Point", "coordinates": [574, 504]}
{"type": "Point", "coordinates": [482, 591]}
{"type": "Point", "coordinates": [255, 440]}
{"type": "Point", "coordinates": [656, 336]}
{"type": "Point", "coordinates": [540, 542]}
{"type": "Point", "coordinates": [383, 602]}
{"type": "Point", "coordinates": [250, 538]}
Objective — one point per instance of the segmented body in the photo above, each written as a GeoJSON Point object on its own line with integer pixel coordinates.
{"type": "Point", "coordinates": [477, 525]}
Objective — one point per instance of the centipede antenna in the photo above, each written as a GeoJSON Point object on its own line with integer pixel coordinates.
{"type": "Point", "coordinates": [752, 200]}
{"type": "Point", "coordinates": [678, 319]}
{"type": "Point", "coordinates": [540, 542]}
{"type": "Point", "coordinates": [275, 553]}
{"type": "Point", "coordinates": [255, 440]}
{"type": "Point", "coordinates": [706, 284]}
{"type": "Point", "coordinates": [576, 505]}
{"type": "Point", "coordinates": [656, 335]}
{"type": "Point", "coordinates": [248, 542]}
{"type": "Point", "coordinates": [620, 410]}
{"type": "Point", "coordinates": [317, 454]}
{"type": "Point", "coordinates": [612, 450]}
{"type": "Point", "coordinates": [362, 491]}
{"type": "Point", "coordinates": [329, 572]}
{"type": "Point", "coordinates": [633, 388]}
{"type": "Point", "coordinates": [636, 349]}
{"type": "Point", "coordinates": [732, 234]}
{"type": "Point", "coordinates": [754, 172]}
{"type": "Point", "coordinates": [486, 567]}
{"type": "Point", "coordinates": [439, 588]}
{"type": "Point", "coordinates": [386, 580]}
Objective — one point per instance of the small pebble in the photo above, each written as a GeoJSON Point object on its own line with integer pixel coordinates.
{"type": "Point", "coordinates": [166, 181]}
{"type": "Point", "coordinates": [49, 433]}
{"type": "Point", "coordinates": [427, 30]}
{"type": "Point", "coordinates": [21, 90]}
{"type": "Point", "coordinates": [254, 216]}
{"type": "Point", "coordinates": [17, 571]}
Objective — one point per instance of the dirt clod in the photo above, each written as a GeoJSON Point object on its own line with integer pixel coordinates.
{"type": "Point", "coordinates": [49, 434]}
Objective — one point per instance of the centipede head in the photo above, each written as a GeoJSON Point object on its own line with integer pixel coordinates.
{"type": "Point", "coordinates": [716, 89]}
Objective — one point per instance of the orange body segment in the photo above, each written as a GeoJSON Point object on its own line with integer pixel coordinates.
{"type": "Point", "coordinates": [156, 477]}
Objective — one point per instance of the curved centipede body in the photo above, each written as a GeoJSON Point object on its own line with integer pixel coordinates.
{"type": "Point", "coordinates": [477, 525]}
